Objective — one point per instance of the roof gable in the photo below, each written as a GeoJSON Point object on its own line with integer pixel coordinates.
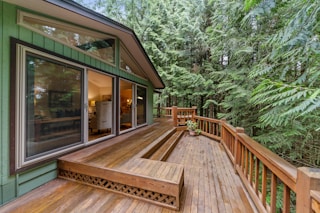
{"type": "Point", "coordinates": [82, 16]}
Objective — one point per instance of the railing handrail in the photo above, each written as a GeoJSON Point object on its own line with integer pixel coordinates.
{"type": "Point", "coordinates": [285, 171]}
{"type": "Point", "coordinates": [209, 127]}
{"type": "Point", "coordinates": [207, 119]}
{"type": "Point", "coordinates": [253, 161]}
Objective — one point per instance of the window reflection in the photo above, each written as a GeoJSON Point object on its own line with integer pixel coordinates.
{"type": "Point", "coordinates": [53, 105]}
{"type": "Point", "coordinates": [141, 105]}
{"type": "Point", "coordinates": [100, 97]}
{"type": "Point", "coordinates": [125, 105]}
{"type": "Point", "coordinates": [97, 44]}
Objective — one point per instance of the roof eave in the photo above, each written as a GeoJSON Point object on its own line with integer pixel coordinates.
{"type": "Point", "coordinates": [83, 11]}
{"type": "Point", "coordinates": [80, 15]}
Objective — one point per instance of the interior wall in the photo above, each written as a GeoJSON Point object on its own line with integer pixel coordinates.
{"type": "Point", "coordinates": [93, 92]}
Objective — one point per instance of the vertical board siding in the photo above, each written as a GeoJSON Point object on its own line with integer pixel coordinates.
{"type": "Point", "coordinates": [8, 192]}
{"type": "Point", "coordinates": [8, 22]}
{"type": "Point", "coordinates": [10, 29]}
{"type": "Point", "coordinates": [74, 54]}
{"type": "Point", "coordinates": [58, 48]}
{"type": "Point", "coordinates": [48, 44]}
{"type": "Point", "coordinates": [26, 34]}
{"type": "Point", "coordinates": [67, 52]}
{"type": "Point", "coordinates": [2, 159]}
{"type": "Point", "coordinates": [38, 40]}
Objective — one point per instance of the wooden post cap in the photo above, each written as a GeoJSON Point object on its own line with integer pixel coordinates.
{"type": "Point", "coordinates": [239, 130]}
{"type": "Point", "coordinates": [308, 179]}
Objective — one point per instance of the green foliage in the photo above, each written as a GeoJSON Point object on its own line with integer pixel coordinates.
{"type": "Point", "coordinates": [192, 125]}
{"type": "Point", "coordinates": [255, 63]}
{"type": "Point", "coordinates": [248, 4]}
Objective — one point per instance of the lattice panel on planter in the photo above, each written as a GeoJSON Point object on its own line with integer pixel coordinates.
{"type": "Point", "coordinates": [121, 188]}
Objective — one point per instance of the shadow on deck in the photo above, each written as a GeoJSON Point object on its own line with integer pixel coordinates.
{"type": "Point", "coordinates": [156, 164]}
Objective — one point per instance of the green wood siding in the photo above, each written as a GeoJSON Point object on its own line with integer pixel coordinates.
{"type": "Point", "coordinates": [14, 186]}
{"type": "Point", "coordinates": [2, 157]}
{"type": "Point", "coordinates": [11, 29]}
{"type": "Point", "coordinates": [36, 177]}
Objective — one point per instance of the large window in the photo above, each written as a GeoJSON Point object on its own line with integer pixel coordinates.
{"type": "Point", "coordinates": [48, 105]}
{"type": "Point", "coordinates": [96, 44]}
{"type": "Point", "coordinates": [128, 64]}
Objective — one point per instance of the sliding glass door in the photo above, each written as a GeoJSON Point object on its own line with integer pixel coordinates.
{"type": "Point", "coordinates": [126, 105]}
{"type": "Point", "coordinates": [133, 102]}
{"type": "Point", "coordinates": [141, 100]}
{"type": "Point", "coordinates": [100, 105]}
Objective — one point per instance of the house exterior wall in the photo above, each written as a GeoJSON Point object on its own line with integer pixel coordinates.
{"type": "Point", "coordinates": [21, 183]}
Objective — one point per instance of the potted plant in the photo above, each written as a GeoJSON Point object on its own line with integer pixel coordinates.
{"type": "Point", "coordinates": [192, 126]}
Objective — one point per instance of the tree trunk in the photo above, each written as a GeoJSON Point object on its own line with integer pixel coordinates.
{"type": "Point", "coordinates": [201, 104]}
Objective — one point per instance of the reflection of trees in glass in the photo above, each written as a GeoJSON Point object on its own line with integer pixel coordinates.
{"type": "Point", "coordinates": [53, 106]}
{"type": "Point", "coordinates": [141, 105]}
{"type": "Point", "coordinates": [100, 46]}
{"type": "Point", "coordinates": [52, 86]}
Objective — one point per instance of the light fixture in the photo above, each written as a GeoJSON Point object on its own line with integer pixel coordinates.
{"type": "Point", "coordinates": [93, 103]}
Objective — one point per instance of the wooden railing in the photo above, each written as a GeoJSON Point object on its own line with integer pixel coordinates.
{"type": "Point", "coordinates": [315, 201]}
{"type": "Point", "coordinates": [209, 127]}
{"type": "Point", "coordinates": [180, 116]}
{"type": "Point", "coordinates": [273, 184]}
{"type": "Point", "coordinates": [166, 111]}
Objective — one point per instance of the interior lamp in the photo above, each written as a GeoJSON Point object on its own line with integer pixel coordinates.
{"type": "Point", "coordinates": [93, 103]}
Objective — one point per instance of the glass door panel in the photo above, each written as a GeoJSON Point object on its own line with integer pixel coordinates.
{"type": "Point", "coordinates": [53, 105]}
{"type": "Point", "coordinates": [126, 97]}
{"type": "Point", "coordinates": [141, 101]}
{"type": "Point", "coordinates": [100, 109]}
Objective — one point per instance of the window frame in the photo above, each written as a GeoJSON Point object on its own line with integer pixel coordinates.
{"type": "Point", "coordinates": [134, 109]}
{"type": "Point", "coordinates": [114, 101]}
{"type": "Point", "coordinates": [146, 106]}
{"type": "Point", "coordinates": [123, 50]}
{"type": "Point", "coordinates": [18, 158]}
{"type": "Point", "coordinates": [93, 33]}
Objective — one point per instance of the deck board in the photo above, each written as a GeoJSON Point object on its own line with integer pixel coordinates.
{"type": "Point", "coordinates": [211, 184]}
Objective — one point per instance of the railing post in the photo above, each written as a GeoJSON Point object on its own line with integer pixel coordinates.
{"type": "Point", "coordinates": [237, 147]}
{"type": "Point", "coordinates": [222, 134]}
{"type": "Point", "coordinates": [174, 115]}
{"type": "Point", "coordinates": [307, 179]}
{"type": "Point", "coordinates": [194, 112]}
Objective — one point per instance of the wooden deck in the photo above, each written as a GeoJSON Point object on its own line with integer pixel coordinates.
{"type": "Point", "coordinates": [210, 182]}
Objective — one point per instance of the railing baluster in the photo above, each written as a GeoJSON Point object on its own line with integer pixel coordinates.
{"type": "Point", "coordinates": [273, 200]}
{"type": "Point", "coordinates": [242, 158]}
{"type": "Point", "coordinates": [247, 163]}
{"type": "Point", "coordinates": [251, 168]}
{"type": "Point", "coordinates": [264, 185]}
{"type": "Point", "coordinates": [256, 176]}
{"type": "Point", "coordinates": [207, 126]}
{"type": "Point", "coordinates": [286, 199]}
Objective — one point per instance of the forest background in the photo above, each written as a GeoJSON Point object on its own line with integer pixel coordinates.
{"type": "Point", "coordinates": [255, 63]}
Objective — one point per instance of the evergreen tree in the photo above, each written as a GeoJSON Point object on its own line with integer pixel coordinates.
{"type": "Point", "coordinates": [253, 62]}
